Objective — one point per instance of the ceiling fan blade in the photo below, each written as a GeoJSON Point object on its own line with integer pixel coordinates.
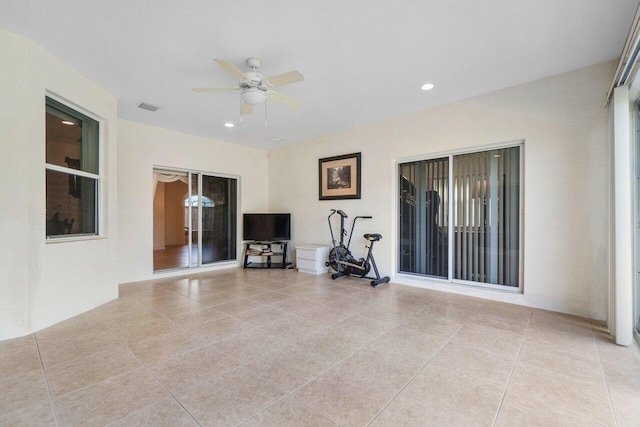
{"type": "Point", "coordinates": [285, 79]}
{"type": "Point", "coordinates": [230, 68]}
{"type": "Point", "coordinates": [283, 99]}
{"type": "Point", "coordinates": [214, 89]}
{"type": "Point", "coordinates": [247, 108]}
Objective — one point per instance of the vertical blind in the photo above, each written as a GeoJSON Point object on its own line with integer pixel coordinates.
{"type": "Point", "coordinates": [487, 217]}
{"type": "Point", "coordinates": [424, 195]}
{"type": "Point", "coordinates": [485, 202]}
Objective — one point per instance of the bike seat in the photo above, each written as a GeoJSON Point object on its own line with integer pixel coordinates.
{"type": "Point", "coordinates": [373, 237]}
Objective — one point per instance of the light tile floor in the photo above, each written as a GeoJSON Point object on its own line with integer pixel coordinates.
{"type": "Point", "coordinates": [281, 348]}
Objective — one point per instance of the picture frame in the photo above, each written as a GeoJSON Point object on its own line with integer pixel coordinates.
{"type": "Point", "coordinates": [339, 177]}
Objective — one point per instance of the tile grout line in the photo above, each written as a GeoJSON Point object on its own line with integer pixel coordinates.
{"type": "Point", "coordinates": [284, 345]}
{"type": "Point", "coordinates": [416, 374]}
{"type": "Point", "coordinates": [208, 344]}
{"type": "Point", "coordinates": [225, 373]}
{"type": "Point", "coordinates": [604, 375]}
{"type": "Point", "coordinates": [290, 394]}
{"type": "Point", "coordinates": [159, 382]}
{"type": "Point", "coordinates": [106, 379]}
{"type": "Point", "coordinates": [513, 368]}
{"type": "Point", "coordinates": [46, 379]}
{"type": "Point", "coordinates": [563, 374]}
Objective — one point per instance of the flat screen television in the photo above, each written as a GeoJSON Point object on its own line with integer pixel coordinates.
{"type": "Point", "coordinates": [266, 227]}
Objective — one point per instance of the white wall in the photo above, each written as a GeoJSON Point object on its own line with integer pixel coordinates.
{"type": "Point", "coordinates": [43, 283]}
{"type": "Point", "coordinates": [141, 147]}
{"type": "Point", "coordinates": [561, 118]}
{"type": "Point", "coordinates": [563, 122]}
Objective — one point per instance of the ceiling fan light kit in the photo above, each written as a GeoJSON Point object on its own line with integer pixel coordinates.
{"type": "Point", "coordinates": [254, 88]}
{"type": "Point", "coordinates": [253, 96]}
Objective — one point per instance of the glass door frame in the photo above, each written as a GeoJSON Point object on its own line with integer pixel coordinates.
{"type": "Point", "coordinates": [190, 173]}
{"type": "Point", "coordinates": [451, 225]}
{"type": "Point", "coordinates": [636, 215]}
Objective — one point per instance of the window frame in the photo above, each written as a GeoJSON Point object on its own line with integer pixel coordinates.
{"type": "Point", "coordinates": [99, 215]}
{"type": "Point", "coordinates": [451, 224]}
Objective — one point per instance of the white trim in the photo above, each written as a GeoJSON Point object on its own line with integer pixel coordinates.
{"type": "Point", "coordinates": [492, 286]}
{"type": "Point", "coordinates": [626, 62]}
{"type": "Point", "coordinates": [635, 141]}
{"type": "Point", "coordinates": [190, 222]}
{"type": "Point", "coordinates": [72, 238]}
{"type": "Point", "coordinates": [624, 251]}
{"type": "Point", "coordinates": [458, 151]}
{"type": "Point", "coordinates": [186, 171]}
{"type": "Point", "coordinates": [457, 288]}
{"type": "Point", "coordinates": [101, 214]}
{"type": "Point", "coordinates": [74, 106]}
{"type": "Point", "coordinates": [451, 229]}
{"type": "Point", "coordinates": [173, 272]}
{"type": "Point", "coordinates": [70, 171]}
{"type": "Point", "coordinates": [200, 225]}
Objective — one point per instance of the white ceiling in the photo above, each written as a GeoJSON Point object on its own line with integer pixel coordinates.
{"type": "Point", "coordinates": [363, 60]}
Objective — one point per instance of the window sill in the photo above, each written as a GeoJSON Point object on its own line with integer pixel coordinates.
{"type": "Point", "coordinates": [53, 240]}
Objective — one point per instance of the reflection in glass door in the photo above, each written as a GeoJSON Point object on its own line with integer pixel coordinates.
{"type": "Point", "coordinates": [194, 219]}
{"type": "Point", "coordinates": [218, 218]}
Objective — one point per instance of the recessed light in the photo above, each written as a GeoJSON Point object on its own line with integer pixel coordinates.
{"type": "Point", "coordinates": [229, 125]}
{"type": "Point", "coordinates": [67, 122]}
{"type": "Point", "coordinates": [427, 86]}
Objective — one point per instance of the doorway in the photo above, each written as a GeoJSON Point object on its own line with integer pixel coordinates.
{"type": "Point", "coordinates": [194, 219]}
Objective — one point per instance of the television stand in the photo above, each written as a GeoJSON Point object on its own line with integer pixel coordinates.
{"type": "Point", "coordinates": [265, 250]}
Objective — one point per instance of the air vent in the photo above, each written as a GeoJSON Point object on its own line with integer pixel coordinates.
{"type": "Point", "coordinates": [147, 106]}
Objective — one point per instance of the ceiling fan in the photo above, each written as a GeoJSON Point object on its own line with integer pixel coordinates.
{"type": "Point", "coordinates": [254, 88]}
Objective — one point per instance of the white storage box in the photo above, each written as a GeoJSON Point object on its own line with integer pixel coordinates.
{"type": "Point", "coordinates": [311, 259]}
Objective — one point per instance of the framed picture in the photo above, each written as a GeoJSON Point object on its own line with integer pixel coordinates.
{"type": "Point", "coordinates": [339, 177]}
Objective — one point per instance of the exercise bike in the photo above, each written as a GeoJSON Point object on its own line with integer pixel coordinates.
{"type": "Point", "coordinates": [342, 261]}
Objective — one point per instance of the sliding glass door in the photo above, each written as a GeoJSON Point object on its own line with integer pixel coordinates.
{"type": "Point", "coordinates": [195, 217]}
{"type": "Point", "coordinates": [424, 198]}
{"type": "Point", "coordinates": [480, 193]}
{"type": "Point", "coordinates": [487, 217]}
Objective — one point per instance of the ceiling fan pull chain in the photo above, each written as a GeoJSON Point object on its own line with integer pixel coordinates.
{"type": "Point", "coordinates": [265, 112]}
{"type": "Point", "coordinates": [241, 109]}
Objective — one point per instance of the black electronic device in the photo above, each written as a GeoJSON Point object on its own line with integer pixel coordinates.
{"type": "Point", "coordinates": [266, 227]}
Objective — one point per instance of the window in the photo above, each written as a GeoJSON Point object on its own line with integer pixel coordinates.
{"type": "Point", "coordinates": [460, 217]}
{"type": "Point", "coordinates": [72, 172]}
